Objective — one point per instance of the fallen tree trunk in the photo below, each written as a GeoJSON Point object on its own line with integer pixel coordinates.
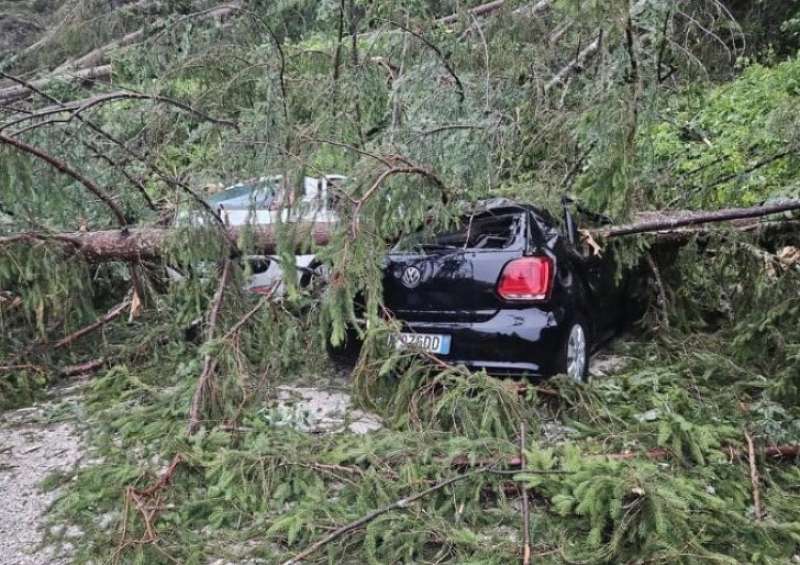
{"type": "Point", "coordinates": [13, 93]}
{"type": "Point", "coordinates": [149, 243]}
{"type": "Point", "coordinates": [673, 221]}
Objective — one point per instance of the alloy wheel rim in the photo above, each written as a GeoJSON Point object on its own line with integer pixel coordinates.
{"type": "Point", "coordinates": [576, 353]}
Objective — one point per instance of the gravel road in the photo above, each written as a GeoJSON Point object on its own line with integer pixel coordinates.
{"type": "Point", "coordinates": [35, 442]}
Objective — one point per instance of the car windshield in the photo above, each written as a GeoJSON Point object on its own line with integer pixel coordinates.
{"type": "Point", "coordinates": [483, 231]}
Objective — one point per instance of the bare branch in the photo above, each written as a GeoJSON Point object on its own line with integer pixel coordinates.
{"type": "Point", "coordinates": [98, 323]}
{"type": "Point", "coordinates": [77, 107]}
{"type": "Point", "coordinates": [754, 480]}
{"type": "Point", "coordinates": [526, 516]}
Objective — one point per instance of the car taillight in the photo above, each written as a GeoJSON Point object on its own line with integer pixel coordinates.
{"type": "Point", "coordinates": [527, 278]}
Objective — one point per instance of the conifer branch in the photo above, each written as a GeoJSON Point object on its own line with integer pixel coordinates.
{"type": "Point", "coordinates": [65, 169]}
{"type": "Point", "coordinates": [367, 518]}
{"type": "Point", "coordinates": [442, 57]}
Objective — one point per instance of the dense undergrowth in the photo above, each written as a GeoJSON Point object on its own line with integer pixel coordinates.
{"type": "Point", "coordinates": [684, 106]}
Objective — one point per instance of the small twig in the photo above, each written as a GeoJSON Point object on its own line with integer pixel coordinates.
{"type": "Point", "coordinates": [751, 456]}
{"type": "Point", "coordinates": [84, 368]}
{"type": "Point", "coordinates": [662, 295]}
{"type": "Point", "coordinates": [22, 367]}
{"type": "Point", "coordinates": [367, 518]}
{"type": "Point", "coordinates": [662, 49]}
{"type": "Point", "coordinates": [569, 178]}
{"type": "Point", "coordinates": [526, 517]}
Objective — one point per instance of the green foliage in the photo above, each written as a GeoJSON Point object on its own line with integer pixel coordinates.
{"type": "Point", "coordinates": [732, 145]}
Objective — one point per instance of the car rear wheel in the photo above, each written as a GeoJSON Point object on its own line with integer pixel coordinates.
{"type": "Point", "coordinates": [575, 356]}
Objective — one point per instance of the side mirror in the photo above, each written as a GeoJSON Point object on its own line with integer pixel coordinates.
{"type": "Point", "coordinates": [569, 222]}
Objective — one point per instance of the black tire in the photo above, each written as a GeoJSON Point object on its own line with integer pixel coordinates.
{"type": "Point", "coordinates": [345, 355]}
{"type": "Point", "coordinates": [576, 368]}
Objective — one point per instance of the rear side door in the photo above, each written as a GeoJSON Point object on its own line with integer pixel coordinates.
{"type": "Point", "coordinates": [599, 273]}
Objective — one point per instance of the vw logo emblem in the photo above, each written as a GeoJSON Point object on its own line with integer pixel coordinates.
{"type": "Point", "coordinates": [411, 277]}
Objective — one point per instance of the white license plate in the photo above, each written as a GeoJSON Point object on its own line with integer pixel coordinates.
{"type": "Point", "coordinates": [432, 343]}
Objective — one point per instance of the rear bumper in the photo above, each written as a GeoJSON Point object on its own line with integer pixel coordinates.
{"type": "Point", "coordinates": [524, 341]}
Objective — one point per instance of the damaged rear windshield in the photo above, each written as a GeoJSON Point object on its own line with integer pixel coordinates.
{"type": "Point", "coordinates": [484, 231]}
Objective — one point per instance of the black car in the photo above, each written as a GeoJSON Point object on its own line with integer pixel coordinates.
{"type": "Point", "coordinates": [508, 291]}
